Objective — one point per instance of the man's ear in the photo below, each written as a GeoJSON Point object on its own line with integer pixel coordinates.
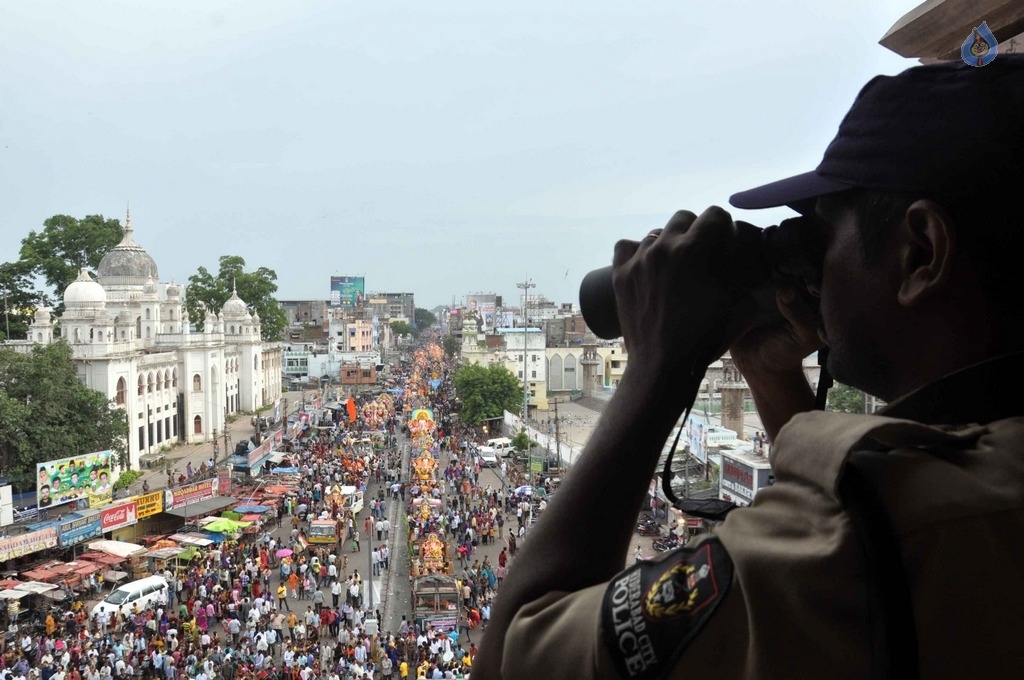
{"type": "Point", "coordinates": [927, 252]}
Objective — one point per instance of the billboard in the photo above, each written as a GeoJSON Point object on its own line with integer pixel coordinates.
{"type": "Point", "coordinates": [738, 478]}
{"type": "Point", "coordinates": [191, 493]}
{"type": "Point", "coordinates": [66, 480]}
{"type": "Point", "coordinates": [26, 544]}
{"type": "Point", "coordinates": [483, 307]}
{"type": "Point", "coordinates": [695, 435]}
{"type": "Point", "coordinates": [77, 528]}
{"type": "Point", "coordinates": [119, 516]}
{"type": "Point", "coordinates": [149, 504]}
{"type": "Point", "coordinates": [348, 291]}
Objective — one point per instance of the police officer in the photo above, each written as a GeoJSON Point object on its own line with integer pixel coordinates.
{"type": "Point", "coordinates": [890, 545]}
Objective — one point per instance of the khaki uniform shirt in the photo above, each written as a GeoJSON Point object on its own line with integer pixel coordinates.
{"type": "Point", "coordinates": [780, 590]}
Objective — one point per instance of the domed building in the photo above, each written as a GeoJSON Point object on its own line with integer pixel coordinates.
{"type": "Point", "coordinates": [131, 339]}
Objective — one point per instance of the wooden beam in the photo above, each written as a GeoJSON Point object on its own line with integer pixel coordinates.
{"type": "Point", "coordinates": [935, 29]}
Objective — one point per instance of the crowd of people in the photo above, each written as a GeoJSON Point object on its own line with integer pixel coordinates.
{"type": "Point", "coordinates": [271, 606]}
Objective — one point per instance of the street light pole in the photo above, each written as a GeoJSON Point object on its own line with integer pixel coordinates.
{"type": "Point", "coordinates": [525, 286]}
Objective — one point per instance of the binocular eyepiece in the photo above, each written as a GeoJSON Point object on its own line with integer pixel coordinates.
{"type": "Point", "coordinates": [756, 260]}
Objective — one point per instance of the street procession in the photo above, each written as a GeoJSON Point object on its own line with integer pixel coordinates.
{"type": "Point", "coordinates": [371, 547]}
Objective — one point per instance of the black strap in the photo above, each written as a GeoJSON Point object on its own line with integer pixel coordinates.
{"type": "Point", "coordinates": [892, 629]}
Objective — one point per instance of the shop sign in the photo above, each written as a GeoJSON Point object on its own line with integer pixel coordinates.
{"type": "Point", "coordinates": [119, 516]}
{"type": "Point", "coordinates": [190, 493]}
{"type": "Point", "coordinates": [260, 452]}
{"type": "Point", "coordinates": [224, 477]}
{"type": "Point", "coordinates": [150, 504]}
{"type": "Point", "coordinates": [81, 529]}
{"type": "Point", "coordinates": [738, 478]}
{"type": "Point", "coordinates": [26, 544]}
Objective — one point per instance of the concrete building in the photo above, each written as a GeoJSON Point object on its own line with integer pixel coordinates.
{"type": "Point", "coordinates": [536, 365]}
{"type": "Point", "coordinates": [394, 306]}
{"type": "Point", "coordinates": [131, 339]}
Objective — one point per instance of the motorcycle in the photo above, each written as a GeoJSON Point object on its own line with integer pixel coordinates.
{"type": "Point", "coordinates": [648, 529]}
{"type": "Point", "coordinates": [665, 544]}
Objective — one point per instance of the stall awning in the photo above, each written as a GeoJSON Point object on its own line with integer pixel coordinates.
{"type": "Point", "coordinates": [278, 456]}
{"type": "Point", "coordinates": [13, 594]}
{"type": "Point", "coordinates": [203, 507]}
{"type": "Point", "coordinates": [35, 587]}
{"type": "Point", "coordinates": [191, 539]}
{"type": "Point", "coordinates": [165, 553]}
{"type": "Point", "coordinates": [120, 549]}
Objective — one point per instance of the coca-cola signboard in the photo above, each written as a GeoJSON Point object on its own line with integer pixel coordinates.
{"type": "Point", "coordinates": [119, 516]}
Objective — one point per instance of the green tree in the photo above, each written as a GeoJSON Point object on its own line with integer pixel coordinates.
{"type": "Point", "coordinates": [256, 288]}
{"type": "Point", "coordinates": [450, 345]}
{"type": "Point", "coordinates": [423, 319]}
{"type": "Point", "coordinates": [20, 299]}
{"type": "Point", "coordinates": [46, 412]}
{"type": "Point", "coordinates": [65, 245]}
{"type": "Point", "coordinates": [485, 392]}
{"type": "Point", "coordinates": [522, 441]}
{"type": "Point", "coordinates": [401, 328]}
{"type": "Point", "coordinates": [845, 399]}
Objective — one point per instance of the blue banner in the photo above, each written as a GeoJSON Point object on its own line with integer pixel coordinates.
{"type": "Point", "coordinates": [72, 533]}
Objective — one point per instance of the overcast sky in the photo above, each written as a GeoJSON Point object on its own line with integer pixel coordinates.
{"type": "Point", "coordinates": [441, 148]}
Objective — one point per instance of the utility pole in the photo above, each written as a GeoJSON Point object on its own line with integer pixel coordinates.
{"type": "Point", "coordinates": [558, 438]}
{"type": "Point", "coordinates": [525, 286]}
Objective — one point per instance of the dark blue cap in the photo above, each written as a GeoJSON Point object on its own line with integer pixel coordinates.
{"type": "Point", "coordinates": [941, 130]}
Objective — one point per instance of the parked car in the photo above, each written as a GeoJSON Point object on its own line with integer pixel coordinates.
{"type": "Point", "coordinates": [487, 456]}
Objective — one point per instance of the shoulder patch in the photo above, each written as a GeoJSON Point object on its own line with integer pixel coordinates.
{"type": "Point", "coordinates": [652, 611]}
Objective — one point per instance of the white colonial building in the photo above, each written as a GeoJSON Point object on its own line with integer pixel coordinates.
{"type": "Point", "coordinates": [131, 340]}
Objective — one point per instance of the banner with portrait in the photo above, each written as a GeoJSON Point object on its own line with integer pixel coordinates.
{"type": "Point", "coordinates": [65, 480]}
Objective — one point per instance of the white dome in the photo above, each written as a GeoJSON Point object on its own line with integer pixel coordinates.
{"type": "Point", "coordinates": [84, 292]}
{"type": "Point", "coordinates": [235, 306]}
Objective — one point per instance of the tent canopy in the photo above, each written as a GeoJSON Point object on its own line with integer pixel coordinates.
{"type": "Point", "coordinates": [120, 549]}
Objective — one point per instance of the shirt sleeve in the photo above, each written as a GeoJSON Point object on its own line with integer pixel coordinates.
{"type": "Point", "coordinates": [653, 620]}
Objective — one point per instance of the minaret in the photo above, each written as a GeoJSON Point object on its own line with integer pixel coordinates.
{"type": "Point", "coordinates": [128, 236]}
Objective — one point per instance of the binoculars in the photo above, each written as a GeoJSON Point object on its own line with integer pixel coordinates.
{"type": "Point", "coordinates": [755, 260]}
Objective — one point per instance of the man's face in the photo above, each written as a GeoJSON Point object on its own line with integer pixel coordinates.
{"type": "Point", "coordinates": [857, 301]}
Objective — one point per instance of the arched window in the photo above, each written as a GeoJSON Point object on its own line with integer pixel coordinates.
{"type": "Point", "coordinates": [255, 363]}
{"type": "Point", "coordinates": [232, 329]}
{"type": "Point", "coordinates": [197, 425]}
{"type": "Point", "coordinates": [148, 314]}
{"type": "Point", "coordinates": [572, 378]}
{"type": "Point", "coordinates": [92, 335]}
{"type": "Point", "coordinates": [159, 380]}
{"type": "Point", "coordinates": [122, 335]}
{"type": "Point", "coordinates": [39, 337]}
{"type": "Point", "coordinates": [78, 335]}
{"type": "Point", "coordinates": [149, 382]}
{"type": "Point", "coordinates": [167, 380]}
{"type": "Point", "coordinates": [555, 372]}
{"type": "Point", "coordinates": [142, 385]}
{"type": "Point", "coordinates": [122, 388]}
{"type": "Point", "coordinates": [174, 378]}
{"type": "Point", "coordinates": [197, 383]}
{"type": "Point", "coordinates": [148, 332]}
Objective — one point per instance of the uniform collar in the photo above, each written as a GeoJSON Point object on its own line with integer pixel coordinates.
{"type": "Point", "coordinates": [981, 393]}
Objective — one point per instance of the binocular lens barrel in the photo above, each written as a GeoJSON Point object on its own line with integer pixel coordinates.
{"type": "Point", "coordinates": [756, 258]}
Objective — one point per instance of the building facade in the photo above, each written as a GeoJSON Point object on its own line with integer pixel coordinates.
{"type": "Point", "coordinates": [131, 340]}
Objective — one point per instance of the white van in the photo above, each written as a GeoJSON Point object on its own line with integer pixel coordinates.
{"type": "Point", "coordinates": [501, 445]}
{"type": "Point", "coordinates": [144, 594]}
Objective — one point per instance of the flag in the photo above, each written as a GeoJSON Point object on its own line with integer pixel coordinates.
{"type": "Point", "coordinates": [303, 542]}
